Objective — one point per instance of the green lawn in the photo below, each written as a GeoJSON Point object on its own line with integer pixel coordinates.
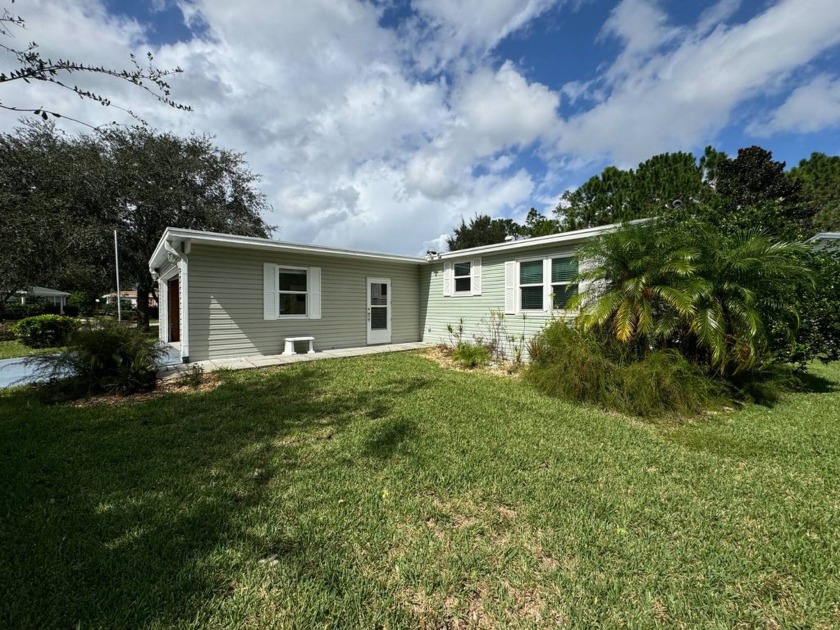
{"type": "Point", "coordinates": [12, 349]}
{"type": "Point", "coordinates": [386, 491]}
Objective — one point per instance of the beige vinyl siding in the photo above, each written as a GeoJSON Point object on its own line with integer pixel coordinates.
{"type": "Point", "coordinates": [226, 302]}
{"type": "Point", "coordinates": [438, 311]}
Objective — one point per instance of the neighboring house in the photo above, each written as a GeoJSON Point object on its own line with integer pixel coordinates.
{"type": "Point", "coordinates": [226, 296]}
{"type": "Point", "coordinates": [127, 297]}
{"type": "Point", "coordinates": [826, 240]}
{"type": "Point", "coordinates": [50, 296]}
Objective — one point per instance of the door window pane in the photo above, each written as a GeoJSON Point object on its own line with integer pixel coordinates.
{"type": "Point", "coordinates": [379, 318]}
{"type": "Point", "coordinates": [378, 294]}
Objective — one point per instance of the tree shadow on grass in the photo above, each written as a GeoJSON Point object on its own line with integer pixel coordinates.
{"type": "Point", "coordinates": [811, 383]}
{"type": "Point", "coordinates": [117, 516]}
{"type": "Point", "coordinates": [386, 439]}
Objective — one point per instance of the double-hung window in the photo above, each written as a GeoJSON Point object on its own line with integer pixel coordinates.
{"type": "Point", "coordinates": [463, 277]}
{"type": "Point", "coordinates": [293, 288]}
{"type": "Point", "coordinates": [531, 288]}
{"type": "Point", "coordinates": [563, 287]}
{"type": "Point", "coordinates": [544, 284]}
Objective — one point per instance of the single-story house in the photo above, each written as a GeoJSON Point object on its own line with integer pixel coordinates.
{"type": "Point", "coordinates": [50, 296]}
{"type": "Point", "coordinates": [127, 297]}
{"type": "Point", "coordinates": [226, 296]}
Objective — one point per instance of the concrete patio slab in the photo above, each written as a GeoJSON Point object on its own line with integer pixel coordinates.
{"type": "Point", "coordinates": [248, 363]}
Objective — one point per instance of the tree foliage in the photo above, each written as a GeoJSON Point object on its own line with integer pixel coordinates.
{"type": "Point", "coordinates": [658, 184]}
{"type": "Point", "coordinates": [481, 230]}
{"type": "Point", "coordinates": [819, 178]}
{"type": "Point", "coordinates": [30, 67]}
{"type": "Point", "coordinates": [64, 195]}
{"type": "Point", "coordinates": [54, 198]}
{"type": "Point", "coordinates": [710, 295]}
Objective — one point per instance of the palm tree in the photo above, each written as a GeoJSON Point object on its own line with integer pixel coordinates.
{"type": "Point", "coordinates": [674, 285]}
{"type": "Point", "coordinates": [637, 283]}
{"type": "Point", "coordinates": [748, 281]}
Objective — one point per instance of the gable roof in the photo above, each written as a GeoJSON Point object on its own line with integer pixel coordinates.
{"type": "Point", "coordinates": [181, 239]}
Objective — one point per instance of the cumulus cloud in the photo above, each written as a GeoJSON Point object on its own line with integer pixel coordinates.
{"type": "Point", "coordinates": [382, 137]}
{"type": "Point", "coordinates": [812, 107]}
{"type": "Point", "coordinates": [674, 94]}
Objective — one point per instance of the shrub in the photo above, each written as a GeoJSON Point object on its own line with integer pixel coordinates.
{"type": "Point", "coordinates": [470, 355]}
{"type": "Point", "coordinates": [569, 364]}
{"type": "Point", "coordinates": [44, 331]}
{"type": "Point", "coordinates": [19, 311]}
{"type": "Point", "coordinates": [191, 376]}
{"type": "Point", "coordinates": [109, 357]}
{"type": "Point", "coordinates": [6, 333]}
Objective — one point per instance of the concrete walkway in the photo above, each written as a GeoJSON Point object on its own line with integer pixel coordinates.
{"type": "Point", "coordinates": [173, 371]}
{"type": "Point", "coordinates": [14, 372]}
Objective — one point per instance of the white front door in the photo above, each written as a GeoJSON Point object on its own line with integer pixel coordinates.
{"type": "Point", "coordinates": [379, 310]}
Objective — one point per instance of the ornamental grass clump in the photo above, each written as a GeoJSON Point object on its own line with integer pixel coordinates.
{"type": "Point", "coordinates": [576, 366]}
{"type": "Point", "coordinates": [470, 355]}
{"type": "Point", "coordinates": [106, 357]}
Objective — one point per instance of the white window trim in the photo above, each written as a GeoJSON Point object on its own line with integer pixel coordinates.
{"type": "Point", "coordinates": [519, 286]}
{"type": "Point", "coordinates": [455, 278]}
{"type": "Point", "coordinates": [547, 284]}
{"type": "Point", "coordinates": [277, 271]}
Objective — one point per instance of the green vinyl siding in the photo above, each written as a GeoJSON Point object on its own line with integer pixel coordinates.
{"type": "Point", "coordinates": [438, 312]}
{"type": "Point", "coordinates": [226, 302]}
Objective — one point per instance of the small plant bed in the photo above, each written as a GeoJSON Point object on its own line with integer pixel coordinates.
{"type": "Point", "coordinates": [205, 383]}
{"type": "Point", "coordinates": [444, 356]}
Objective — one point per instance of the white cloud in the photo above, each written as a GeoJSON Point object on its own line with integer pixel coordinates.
{"type": "Point", "coordinates": [359, 149]}
{"type": "Point", "coordinates": [812, 107]}
{"type": "Point", "coordinates": [686, 92]}
{"type": "Point", "coordinates": [453, 29]}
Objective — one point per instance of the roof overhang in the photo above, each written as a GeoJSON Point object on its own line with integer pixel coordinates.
{"type": "Point", "coordinates": [176, 241]}
{"type": "Point", "coordinates": [532, 243]}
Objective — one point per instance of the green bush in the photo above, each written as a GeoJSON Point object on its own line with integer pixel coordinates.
{"type": "Point", "coordinates": [15, 311]}
{"type": "Point", "coordinates": [44, 331]}
{"type": "Point", "coordinates": [108, 357]}
{"type": "Point", "coordinates": [6, 333]}
{"type": "Point", "coordinates": [470, 355]}
{"type": "Point", "coordinates": [568, 364]}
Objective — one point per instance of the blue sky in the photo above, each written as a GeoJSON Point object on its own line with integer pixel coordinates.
{"type": "Point", "coordinates": [380, 124]}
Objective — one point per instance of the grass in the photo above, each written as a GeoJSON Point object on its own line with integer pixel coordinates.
{"type": "Point", "coordinates": [388, 491]}
{"type": "Point", "coordinates": [14, 349]}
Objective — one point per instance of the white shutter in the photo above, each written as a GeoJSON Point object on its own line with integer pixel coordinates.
{"type": "Point", "coordinates": [510, 287]}
{"type": "Point", "coordinates": [448, 279]}
{"type": "Point", "coordinates": [270, 291]}
{"type": "Point", "coordinates": [314, 293]}
{"type": "Point", "coordinates": [475, 270]}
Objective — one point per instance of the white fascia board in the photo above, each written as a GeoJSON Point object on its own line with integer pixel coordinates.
{"type": "Point", "coordinates": [528, 243]}
{"type": "Point", "coordinates": [249, 242]}
{"type": "Point", "coordinates": [824, 236]}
